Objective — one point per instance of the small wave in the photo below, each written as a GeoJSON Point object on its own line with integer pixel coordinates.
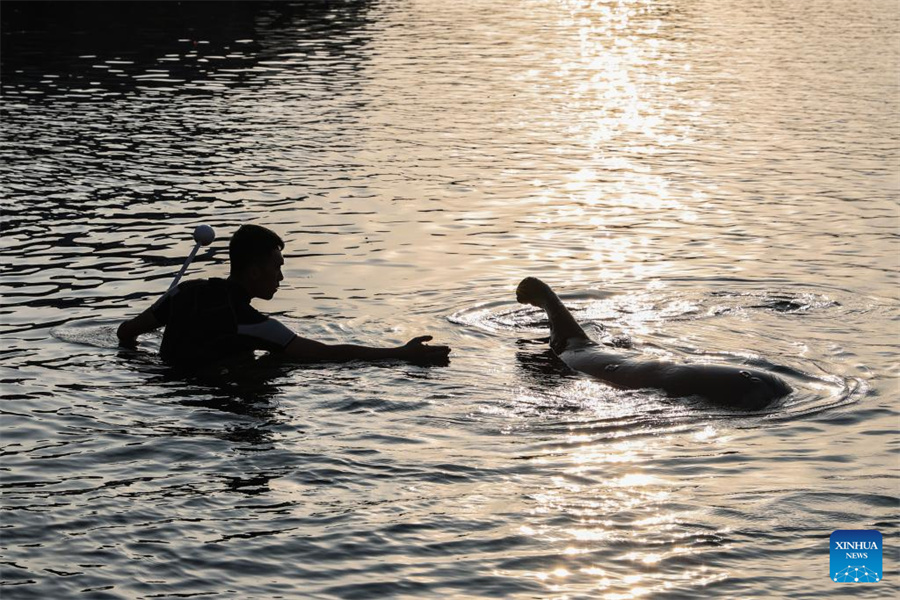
{"type": "Point", "coordinates": [496, 317]}
{"type": "Point", "coordinates": [817, 387]}
{"type": "Point", "coordinates": [592, 310]}
{"type": "Point", "coordinates": [509, 317]}
{"type": "Point", "coordinates": [819, 395]}
{"type": "Point", "coordinates": [780, 302]}
{"type": "Point", "coordinates": [87, 333]}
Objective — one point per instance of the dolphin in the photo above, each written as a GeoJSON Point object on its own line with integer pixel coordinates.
{"type": "Point", "coordinates": [733, 387]}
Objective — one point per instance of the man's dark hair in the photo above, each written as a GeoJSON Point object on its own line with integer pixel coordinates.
{"type": "Point", "coordinates": [252, 244]}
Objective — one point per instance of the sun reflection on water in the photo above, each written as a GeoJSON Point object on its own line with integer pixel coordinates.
{"type": "Point", "coordinates": [606, 495]}
{"type": "Point", "coordinates": [609, 90]}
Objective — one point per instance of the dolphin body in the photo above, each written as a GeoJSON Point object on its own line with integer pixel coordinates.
{"type": "Point", "coordinates": [745, 389]}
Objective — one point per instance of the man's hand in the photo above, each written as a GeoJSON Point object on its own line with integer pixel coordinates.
{"type": "Point", "coordinates": [132, 328]}
{"type": "Point", "coordinates": [415, 350]}
{"type": "Point", "coordinates": [124, 340]}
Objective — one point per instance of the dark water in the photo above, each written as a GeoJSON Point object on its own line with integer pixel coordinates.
{"type": "Point", "coordinates": [707, 181]}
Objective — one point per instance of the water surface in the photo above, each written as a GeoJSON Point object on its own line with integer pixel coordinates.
{"type": "Point", "coordinates": [703, 181]}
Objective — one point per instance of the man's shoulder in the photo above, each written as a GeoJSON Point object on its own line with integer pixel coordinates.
{"type": "Point", "coordinates": [215, 292]}
{"type": "Point", "coordinates": [199, 293]}
{"type": "Point", "coordinates": [247, 315]}
{"type": "Point", "coordinates": [212, 285]}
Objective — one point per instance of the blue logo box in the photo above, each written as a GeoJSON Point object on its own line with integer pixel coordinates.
{"type": "Point", "coordinates": [856, 556]}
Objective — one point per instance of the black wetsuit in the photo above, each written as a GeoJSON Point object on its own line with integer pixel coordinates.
{"type": "Point", "coordinates": [210, 320]}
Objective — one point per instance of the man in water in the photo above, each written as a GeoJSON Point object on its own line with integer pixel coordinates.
{"type": "Point", "coordinates": [211, 320]}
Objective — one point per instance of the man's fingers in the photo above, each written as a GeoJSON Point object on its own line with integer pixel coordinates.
{"type": "Point", "coordinates": [427, 353]}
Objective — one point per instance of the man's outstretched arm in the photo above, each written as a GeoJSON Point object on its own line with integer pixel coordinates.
{"type": "Point", "coordinates": [132, 328]}
{"type": "Point", "coordinates": [306, 350]}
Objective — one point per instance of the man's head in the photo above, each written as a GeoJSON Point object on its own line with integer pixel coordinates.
{"type": "Point", "coordinates": [255, 255]}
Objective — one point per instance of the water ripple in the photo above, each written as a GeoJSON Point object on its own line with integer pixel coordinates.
{"type": "Point", "coordinates": [703, 181]}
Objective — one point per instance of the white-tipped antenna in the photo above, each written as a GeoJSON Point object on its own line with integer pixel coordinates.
{"type": "Point", "coordinates": [203, 236]}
